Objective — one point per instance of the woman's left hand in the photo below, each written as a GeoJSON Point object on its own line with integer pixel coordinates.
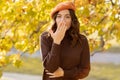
{"type": "Point", "coordinates": [58, 73]}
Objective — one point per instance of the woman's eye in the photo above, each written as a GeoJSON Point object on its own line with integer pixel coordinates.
{"type": "Point", "coordinates": [58, 16]}
{"type": "Point", "coordinates": [67, 16]}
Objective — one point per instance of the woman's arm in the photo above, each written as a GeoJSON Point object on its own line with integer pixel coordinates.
{"type": "Point", "coordinates": [82, 70]}
{"type": "Point", "coordinates": [50, 54]}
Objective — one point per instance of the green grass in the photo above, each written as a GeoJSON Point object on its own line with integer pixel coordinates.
{"type": "Point", "coordinates": [114, 49]}
{"type": "Point", "coordinates": [104, 72]}
{"type": "Point", "coordinates": [29, 66]}
{"type": "Point", "coordinates": [98, 71]}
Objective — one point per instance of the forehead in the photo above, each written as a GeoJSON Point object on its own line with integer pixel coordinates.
{"type": "Point", "coordinates": [64, 12]}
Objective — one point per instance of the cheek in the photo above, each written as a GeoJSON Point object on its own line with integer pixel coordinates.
{"type": "Point", "coordinates": [57, 21]}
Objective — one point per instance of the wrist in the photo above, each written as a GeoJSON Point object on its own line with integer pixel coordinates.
{"type": "Point", "coordinates": [63, 73]}
{"type": "Point", "coordinates": [57, 42]}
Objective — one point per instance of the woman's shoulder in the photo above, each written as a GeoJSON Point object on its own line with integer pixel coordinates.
{"type": "Point", "coordinates": [82, 36]}
{"type": "Point", "coordinates": [45, 35]}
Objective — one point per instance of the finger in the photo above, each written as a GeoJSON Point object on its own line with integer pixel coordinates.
{"type": "Point", "coordinates": [51, 32]}
{"type": "Point", "coordinates": [60, 23]}
{"type": "Point", "coordinates": [46, 71]}
{"type": "Point", "coordinates": [65, 25]}
{"type": "Point", "coordinates": [50, 74]}
{"type": "Point", "coordinates": [59, 26]}
{"type": "Point", "coordinates": [63, 28]}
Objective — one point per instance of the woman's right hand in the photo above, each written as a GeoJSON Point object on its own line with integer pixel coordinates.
{"type": "Point", "coordinates": [58, 73]}
{"type": "Point", "coordinates": [59, 34]}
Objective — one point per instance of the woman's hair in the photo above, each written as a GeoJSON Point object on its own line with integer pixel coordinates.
{"type": "Point", "coordinates": [73, 31]}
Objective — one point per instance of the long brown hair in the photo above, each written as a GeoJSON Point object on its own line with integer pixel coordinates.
{"type": "Point", "coordinates": [73, 31]}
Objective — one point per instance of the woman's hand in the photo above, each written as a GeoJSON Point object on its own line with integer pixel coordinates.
{"type": "Point", "coordinates": [58, 73]}
{"type": "Point", "coordinates": [59, 34]}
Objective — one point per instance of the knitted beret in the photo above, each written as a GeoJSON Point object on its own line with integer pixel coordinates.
{"type": "Point", "coordinates": [62, 6]}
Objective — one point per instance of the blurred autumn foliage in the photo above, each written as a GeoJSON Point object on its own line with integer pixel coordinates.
{"type": "Point", "coordinates": [22, 21]}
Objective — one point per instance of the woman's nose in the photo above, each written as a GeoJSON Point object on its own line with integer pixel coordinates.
{"type": "Point", "coordinates": [63, 19]}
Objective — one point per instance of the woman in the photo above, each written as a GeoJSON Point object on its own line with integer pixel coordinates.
{"type": "Point", "coordinates": [65, 51]}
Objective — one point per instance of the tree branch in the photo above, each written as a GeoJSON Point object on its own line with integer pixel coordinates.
{"type": "Point", "coordinates": [100, 49]}
{"type": "Point", "coordinates": [38, 28]}
{"type": "Point", "coordinates": [112, 2]}
{"type": "Point", "coordinates": [103, 18]}
{"type": "Point", "coordinates": [12, 24]}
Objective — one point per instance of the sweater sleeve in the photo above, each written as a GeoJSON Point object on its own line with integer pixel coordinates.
{"type": "Point", "coordinates": [50, 53]}
{"type": "Point", "coordinates": [82, 70]}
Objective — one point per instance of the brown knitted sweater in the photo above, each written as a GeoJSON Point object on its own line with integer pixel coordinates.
{"type": "Point", "coordinates": [75, 61]}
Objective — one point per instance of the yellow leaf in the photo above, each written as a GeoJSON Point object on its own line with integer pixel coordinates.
{"type": "Point", "coordinates": [107, 46]}
{"type": "Point", "coordinates": [17, 63]}
{"type": "Point", "coordinates": [1, 73]}
{"type": "Point", "coordinates": [2, 61]}
{"type": "Point", "coordinates": [14, 57]}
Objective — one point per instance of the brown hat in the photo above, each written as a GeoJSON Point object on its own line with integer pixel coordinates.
{"type": "Point", "coordinates": [62, 6]}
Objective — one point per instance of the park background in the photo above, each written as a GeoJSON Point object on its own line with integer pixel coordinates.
{"type": "Point", "coordinates": [22, 22]}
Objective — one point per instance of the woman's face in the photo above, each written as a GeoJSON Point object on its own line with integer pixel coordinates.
{"type": "Point", "coordinates": [64, 17]}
